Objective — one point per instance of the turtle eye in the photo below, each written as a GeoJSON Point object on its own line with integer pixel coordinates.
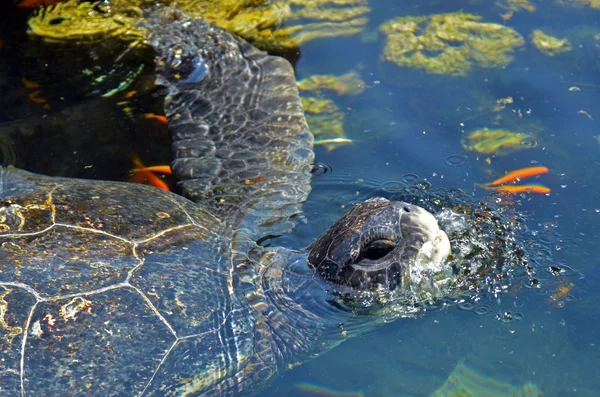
{"type": "Point", "coordinates": [193, 69]}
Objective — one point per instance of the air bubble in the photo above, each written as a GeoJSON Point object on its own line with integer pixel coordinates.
{"type": "Point", "coordinates": [505, 318]}
{"type": "Point", "coordinates": [320, 169]}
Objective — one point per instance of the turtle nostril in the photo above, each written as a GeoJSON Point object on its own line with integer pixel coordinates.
{"type": "Point", "coordinates": [377, 249]}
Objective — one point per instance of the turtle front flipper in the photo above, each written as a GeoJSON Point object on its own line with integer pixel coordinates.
{"type": "Point", "coordinates": [241, 143]}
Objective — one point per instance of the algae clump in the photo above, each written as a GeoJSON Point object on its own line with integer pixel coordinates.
{"type": "Point", "coordinates": [75, 21]}
{"type": "Point", "coordinates": [349, 83]}
{"type": "Point", "coordinates": [324, 117]}
{"type": "Point", "coordinates": [581, 3]}
{"type": "Point", "coordinates": [326, 121]}
{"type": "Point", "coordinates": [549, 45]}
{"type": "Point", "coordinates": [497, 141]}
{"type": "Point", "coordinates": [265, 23]}
{"type": "Point", "coordinates": [516, 5]}
{"type": "Point", "coordinates": [449, 44]}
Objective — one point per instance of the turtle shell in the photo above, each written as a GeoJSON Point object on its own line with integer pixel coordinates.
{"type": "Point", "coordinates": [101, 291]}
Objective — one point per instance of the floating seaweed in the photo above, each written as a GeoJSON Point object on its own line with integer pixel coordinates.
{"type": "Point", "coordinates": [83, 22]}
{"type": "Point", "coordinates": [549, 45]}
{"type": "Point", "coordinates": [516, 5]}
{"type": "Point", "coordinates": [449, 44]}
{"type": "Point", "coordinates": [497, 141]}
{"type": "Point", "coordinates": [259, 21]}
{"type": "Point", "coordinates": [581, 3]}
{"type": "Point", "coordinates": [325, 120]}
{"type": "Point", "coordinates": [349, 83]}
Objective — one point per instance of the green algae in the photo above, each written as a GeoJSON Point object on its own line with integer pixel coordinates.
{"type": "Point", "coordinates": [265, 23]}
{"type": "Point", "coordinates": [549, 45]}
{"type": "Point", "coordinates": [497, 141]}
{"type": "Point", "coordinates": [83, 22]}
{"type": "Point", "coordinates": [448, 44]}
{"type": "Point", "coordinates": [349, 83]}
{"type": "Point", "coordinates": [325, 120]}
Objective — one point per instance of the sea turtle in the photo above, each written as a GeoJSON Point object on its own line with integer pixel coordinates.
{"type": "Point", "coordinates": [116, 289]}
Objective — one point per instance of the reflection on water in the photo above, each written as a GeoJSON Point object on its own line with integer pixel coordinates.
{"type": "Point", "coordinates": [406, 129]}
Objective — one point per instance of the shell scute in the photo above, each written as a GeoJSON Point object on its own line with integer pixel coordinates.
{"type": "Point", "coordinates": [107, 341]}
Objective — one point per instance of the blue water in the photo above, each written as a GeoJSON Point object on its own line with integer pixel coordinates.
{"type": "Point", "coordinates": [404, 126]}
{"type": "Point", "coordinates": [418, 123]}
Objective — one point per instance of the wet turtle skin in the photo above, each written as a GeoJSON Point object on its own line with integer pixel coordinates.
{"type": "Point", "coordinates": [115, 289]}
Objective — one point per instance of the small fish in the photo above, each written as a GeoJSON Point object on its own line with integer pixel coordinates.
{"type": "Point", "coordinates": [518, 174]}
{"type": "Point", "coordinates": [36, 98]}
{"type": "Point", "coordinates": [160, 118]}
{"type": "Point", "coordinates": [30, 83]}
{"type": "Point", "coordinates": [332, 140]}
{"type": "Point", "coordinates": [514, 189]}
{"type": "Point", "coordinates": [141, 175]}
{"type": "Point", "coordinates": [161, 169]}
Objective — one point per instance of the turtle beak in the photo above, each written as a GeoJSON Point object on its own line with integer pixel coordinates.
{"type": "Point", "coordinates": [423, 236]}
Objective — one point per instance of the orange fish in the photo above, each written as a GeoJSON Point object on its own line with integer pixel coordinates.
{"type": "Point", "coordinates": [519, 174]}
{"type": "Point", "coordinates": [30, 83]}
{"type": "Point", "coordinates": [141, 175]}
{"type": "Point", "coordinates": [160, 118]}
{"type": "Point", "coordinates": [161, 169]}
{"type": "Point", "coordinates": [514, 189]}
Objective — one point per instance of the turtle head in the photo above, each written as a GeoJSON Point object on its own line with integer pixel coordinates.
{"type": "Point", "coordinates": [381, 244]}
